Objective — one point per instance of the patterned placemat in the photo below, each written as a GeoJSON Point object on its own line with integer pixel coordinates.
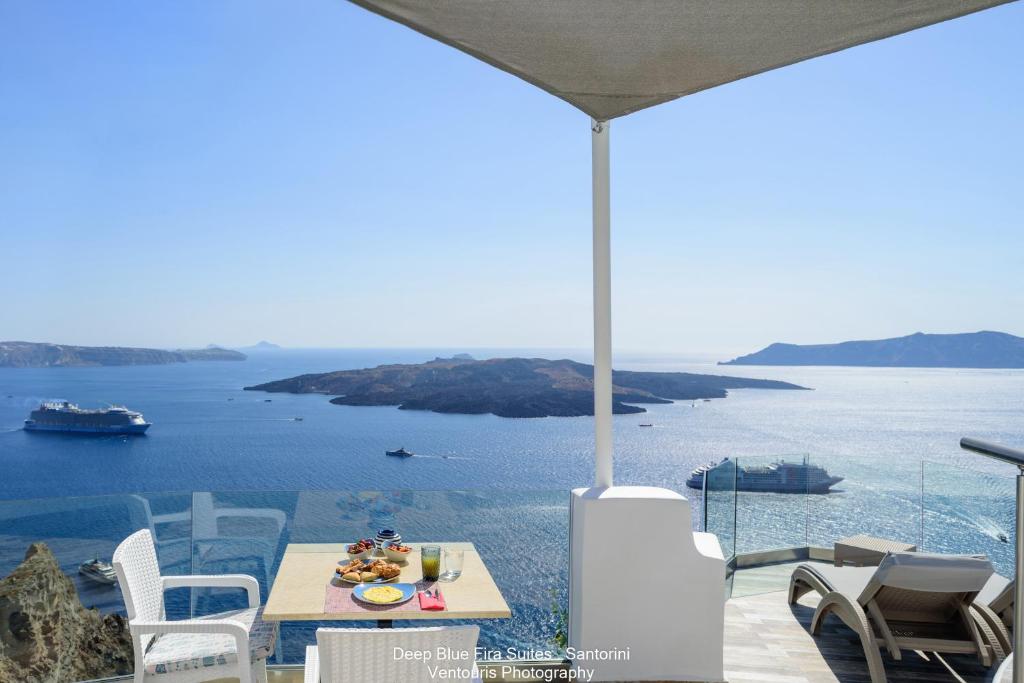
{"type": "Point", "coordinates": [338, 599]}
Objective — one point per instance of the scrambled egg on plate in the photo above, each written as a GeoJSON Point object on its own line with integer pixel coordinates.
{"type": "Point", "coordinates": [382, 594]}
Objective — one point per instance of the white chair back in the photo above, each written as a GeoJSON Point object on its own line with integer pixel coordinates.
{"type": "Point", "coordinates": [380, 654]}
{"type": "Point", "coordinates": [138, 574]}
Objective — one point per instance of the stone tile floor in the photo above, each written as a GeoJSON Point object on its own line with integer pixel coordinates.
{"type": "Point", "coordinates": [769, 641]}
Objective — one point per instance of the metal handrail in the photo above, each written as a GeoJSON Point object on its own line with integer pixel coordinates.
{"type": "Point", "coordinates": [1005, 454]}
{"type": "Point", "coordinates": [1015, 457]}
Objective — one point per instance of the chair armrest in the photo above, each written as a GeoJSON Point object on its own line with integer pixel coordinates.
{"type": "Point", "coordinates": [251, 585]}
{"type": "Point", "coordinates": [311, 672]}
{"type": "Point", "coordinates": [277, 516]}
{"type": "Point", "coordinates": [171, 517]}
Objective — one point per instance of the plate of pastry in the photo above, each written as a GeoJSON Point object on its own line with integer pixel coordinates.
{"type": "Point", "coordinates": [366, 571]}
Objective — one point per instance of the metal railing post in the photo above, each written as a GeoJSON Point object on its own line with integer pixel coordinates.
{"type": "Point", "coordinates": [704, 494]}
{"type": "Point", "coordinates": [1018, 587]}
{"type": "Point", "coordinates": [1013, 457]}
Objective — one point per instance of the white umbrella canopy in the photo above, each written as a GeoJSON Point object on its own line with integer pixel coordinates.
{"type": "Point", "coordinates": [610, 58]}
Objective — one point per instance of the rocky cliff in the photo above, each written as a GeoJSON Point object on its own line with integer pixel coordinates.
{"type": "Point", "coordinates": [46, 636]}
{"type": "Point", "coordinates": [17, 354]}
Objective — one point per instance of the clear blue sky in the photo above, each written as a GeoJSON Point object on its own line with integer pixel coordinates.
{"type": "Point", "coordinates": [178, 173]}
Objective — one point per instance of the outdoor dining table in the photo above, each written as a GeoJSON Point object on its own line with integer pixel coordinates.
{"type": "Point", "coordinates": [300, 591]}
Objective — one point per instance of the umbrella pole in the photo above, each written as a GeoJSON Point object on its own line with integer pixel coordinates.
{"type": "Point", "coordinates": [602, 306]}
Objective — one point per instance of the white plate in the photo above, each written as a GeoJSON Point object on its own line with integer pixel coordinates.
{"type": "Point", "coordinates": [366, 565]}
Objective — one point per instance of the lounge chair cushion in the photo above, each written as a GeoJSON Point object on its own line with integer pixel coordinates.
{"type": "Point", "coordinates": [992, 590]}
{"type": "Point", "coordinates": [847, 580]}
{"type": "Point", "coordinates": [173, 652]}
{"type": "Point", "coordinates": [933, 573]}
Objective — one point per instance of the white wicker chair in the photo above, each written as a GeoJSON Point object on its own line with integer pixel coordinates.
{"type": "Point", "coordinates": [191, 650]}
{"type": "Point", "coordinates": [349, 655]}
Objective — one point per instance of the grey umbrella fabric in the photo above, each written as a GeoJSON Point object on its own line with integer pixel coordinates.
{"type": "Point", "coordinates": [610, 58]}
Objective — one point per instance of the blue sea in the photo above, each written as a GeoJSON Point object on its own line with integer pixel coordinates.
{"type": "Point", "coordinates": [208, 432]}
{"type": "Point", "coordinates": [501, 483]}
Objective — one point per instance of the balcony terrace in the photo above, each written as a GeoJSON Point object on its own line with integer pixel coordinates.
{"type": "Point", "coordinates": [764, 537]}
{"type": "Point", "coordinates": [573, 567]}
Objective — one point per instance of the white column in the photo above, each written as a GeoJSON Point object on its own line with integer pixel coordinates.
{"type": "Point", "coordinates": [602, 306]}
{"type": "Point", "coordinates": [678, 639]}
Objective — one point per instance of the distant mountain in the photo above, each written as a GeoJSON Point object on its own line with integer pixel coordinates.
{"type": "Point", "coordinates": [969, 350]}
{"type": "Point", "coordinates": [508, 387]}
{"type": "Point", "coordinates": [16, 354]}
{"type": "Point", "coordinates": [211, 353]}
{"type": "Point", "coordinates": [261, 346]}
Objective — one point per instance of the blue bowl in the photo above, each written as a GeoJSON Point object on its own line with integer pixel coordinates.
{"type": "Point", "coordinates": [386, 535]}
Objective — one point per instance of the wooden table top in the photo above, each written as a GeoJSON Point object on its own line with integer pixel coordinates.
{"type": "Point", "coordinates": [306, 568]}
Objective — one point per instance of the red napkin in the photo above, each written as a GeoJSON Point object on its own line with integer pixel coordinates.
{"type": "Point", "coordinates": [428, 602]}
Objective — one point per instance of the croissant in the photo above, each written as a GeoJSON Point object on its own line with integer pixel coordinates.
{"type": "Point", "coordinates": [353, 566]}
{"type": "Point", "coordinates": [389, 570]}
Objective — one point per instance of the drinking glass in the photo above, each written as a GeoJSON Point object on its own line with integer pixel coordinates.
{"type": "Point", "coordinates": [430, 559]}
{"type": "Point", "coordinates": [452, 564]}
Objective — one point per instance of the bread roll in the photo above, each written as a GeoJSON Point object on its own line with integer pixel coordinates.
{"type": "Point", "coordinates": [369, 576]}
{"type": "Point", "coordinates": [351, 576]}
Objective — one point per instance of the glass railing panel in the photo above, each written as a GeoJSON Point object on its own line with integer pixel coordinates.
{"type": "Point", "coordinates": [522, 536]}
{"type": "Point", "coordinates": [77, 530]}
{"type": "Point", "coordinates": [884, 502]}
{"type": "Point", "coordinates": [237, 533]}
{"type": "Point", "coordinates": [720, 505]}
{"type": "Point", "coordinates": [719, 513]}
{"type": "Point", "coordinates": [768, 519]}
{"type": "Point", "coordinates": [970, 511]}
{"type": "Point", "coordinates": [938, 508]}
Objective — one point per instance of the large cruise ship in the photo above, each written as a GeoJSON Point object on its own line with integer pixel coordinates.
{"type": "Point", "coordinates": [778, 477]}
{"type": "Point", "coordinates": [67, 417]}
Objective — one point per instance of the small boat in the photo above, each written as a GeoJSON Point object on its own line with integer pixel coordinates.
{"type": "Point", "coordinates": [1003, 538]}
{"type": "Point", "coordinates": [707, 400]}
{"type": "Point", "coordinates": [646, 424]}
{"type": "Point", "coordinates": [400, 453]}
{"type": "Point", "coordinates": [99, 571]}
{"type": "Point", "coordinates": [297, 419]}
{"type": "Point", "coordinates": [268, 400]}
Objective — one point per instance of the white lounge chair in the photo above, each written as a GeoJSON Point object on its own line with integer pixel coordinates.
{"type": "Point", "coordinates": [345, 655]}
{"type": "Point", "coordinates": [911, 601]}
{"type": "Point", "coordinates": [189, 650]}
